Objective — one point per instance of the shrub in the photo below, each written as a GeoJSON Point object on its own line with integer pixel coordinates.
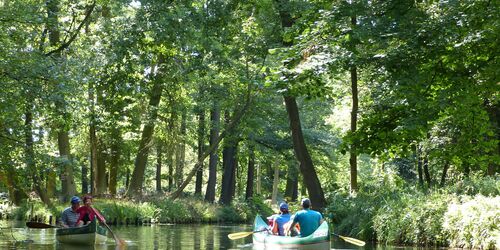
{"type": "Point", "coordinates": [474, 222]}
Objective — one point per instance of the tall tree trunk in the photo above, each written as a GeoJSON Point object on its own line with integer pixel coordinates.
{"type": "Point", "coordinates": [135, 187]}
{"type": "Point", "coordinates": [250, 171]}
{"type": "Point", "coordinates": [258, 183]}
{"type": "Point", "coordinates": [180, 159]}
{"type": "Point", "coordinates": [419, 166]}
{"type": "Point", "coordinates": [100, 178]}
{"type": "Point", "coordinates": [30, 152]}
{"type": "Point", "coordinates": [93, 152]}
{"type": "Point", "coordinates": [292, 182]}
{"type": "Point", "coordinates": [426, 171]}
{"type": "Point", "coordinates": [235, 171]}
{"type": "Point", "coordinates": [493, 110]}
{"type": "Point", "coordinates": [51, 184]}
{"type": "Point", "coordinates": [445, 171]}
{"type": "Point", "coordinates": [85, 179]}
{"type": "Point", "coordinates": [158, 166]}
{"type": "Point", "coordinates": [170, 162]}
{"type": "Point", "coordinates": [212, 163]}
{"type": "Point", "coordinates": [306, 166]}
{"type": "Point", "coordinates": [354, 119]}
{"type": "Point", "coordinates": [67, 178]}
{"type": "Point", "coordinates": [201, 148]}
{"type": "Point", "coordinates": [115, 159]}
{"type": "Point", "coordinates": [228, 162]}
{"type": "Point", "coordinates": [171, 149]}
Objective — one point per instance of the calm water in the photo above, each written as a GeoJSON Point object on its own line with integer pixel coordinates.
{"type": "Point", "coordinates": [13, 235]}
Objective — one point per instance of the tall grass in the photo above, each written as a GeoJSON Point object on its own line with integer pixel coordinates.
{"type": "Point", "coordinates": [464, 214]}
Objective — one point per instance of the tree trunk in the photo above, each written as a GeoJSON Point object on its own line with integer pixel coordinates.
{"type": "Point", "coordinates": [292, 182]}
{"type": "Point", "coordinates": [233, 176]}
{"type": "Point", "coordinates": [100, 178]}
{"type": "Point", "coordinates": [67, 178]}
{"type": "Point", "coordinates": [426, 171]}
{"type": "Point", "coordinates": [258, 184]}
{"type": "Point", "coordinates": [135, 187]}
{"type": "Point", "coordinates": [85, 180]}
{"type": "Point", "coordinates": [51, 184]}
{"type": "Point", "coordinates": [493, 110]}
{"type": "Point", "coordinates": [181, 151]}
{"type": "Point", "coordinates": [228, 162]}
{"type": "Point", "coordinates": [443, 175]}
{"type": "Point", "coordinates": [30, 153]}
{"type": "Point", "coordinates": [212, 148]}
{"type": "Point", "coordinates": [171, 149]}
{"type": "Point", "coordinates": [419, 166]}
{"type": "Point", "coordinates": [214, 158]}
{"type": "Point", "coordinates": [115, 160]}
{"type": "Point", "coordinates": [201, 146]}
{"type": "Point", "coordinates": [306, 166]}
{"type": "Point", "coordinates": [158, 166]}
{"type": "Point", "coordinates": [170, 162]}
{"type": "Point", "coordinates": [354, 119]}
{"type": "Point", "coordinates": [250, 171]}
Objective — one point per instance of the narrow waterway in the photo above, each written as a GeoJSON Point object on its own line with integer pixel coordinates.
{"type": "Point", "coordinates": [14, 235]}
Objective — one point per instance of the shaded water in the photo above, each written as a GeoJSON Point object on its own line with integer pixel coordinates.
{"type": "Point", "coordinates": [14, 235]}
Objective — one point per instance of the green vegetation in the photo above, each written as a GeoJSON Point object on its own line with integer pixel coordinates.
{"type": "Point", "coordinates": [188, 210]}
{"type": "Point", "coordinates": [386, 114]}
{"type": "Point", "coordinates": [393, 215]}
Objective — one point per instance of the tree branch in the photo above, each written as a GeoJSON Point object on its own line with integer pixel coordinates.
{"type": "Point", "coordinates": [75, 33]}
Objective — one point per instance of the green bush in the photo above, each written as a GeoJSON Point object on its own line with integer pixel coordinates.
{"type": "Point", "coordinates": [474, 222]}
{"type": "Point", "coordinates": [38, 209]}
{"type": "Point", "coordinates": [412, 219]}
{"type": "Point", "coordinates": [123, 209]}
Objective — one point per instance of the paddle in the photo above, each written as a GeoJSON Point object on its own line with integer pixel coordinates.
{"type": "Point", "coordinates": [351, 240]}
{"type": "Point", "coordinates": [118, 241]}
{"type": "Point", "coordinates": [235, 236]}
{"type": "Point", "coordinates": [39, 225]}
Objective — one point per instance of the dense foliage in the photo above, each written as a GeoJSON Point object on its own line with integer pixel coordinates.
{"type": "Point", "coordinates": [383, 108]}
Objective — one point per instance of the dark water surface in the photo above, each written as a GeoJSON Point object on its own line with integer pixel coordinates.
{"type": "Point", "coordinates": [14, 235]}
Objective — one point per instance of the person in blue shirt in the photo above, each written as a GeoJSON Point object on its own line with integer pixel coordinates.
{"type": "Point", "coordinates": [308, 219]}
{"type": "Point", "coordinates": [280, 220]}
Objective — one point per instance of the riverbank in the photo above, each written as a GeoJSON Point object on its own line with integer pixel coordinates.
{"type": "Point", "coordinates": [465, 214]}
{"type": "Point", "coordinates": [158, 210]}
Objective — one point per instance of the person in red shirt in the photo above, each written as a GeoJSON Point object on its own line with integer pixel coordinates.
{"type": "Point", "coordinates": [88, 213]}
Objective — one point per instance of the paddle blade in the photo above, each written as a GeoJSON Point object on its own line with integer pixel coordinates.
{"type": "Point", "coordinates": [239, 235]}
{"type": "Point", "coordinates": [34, 224]}
{"type": "Point", "coordinates": [353, 241]}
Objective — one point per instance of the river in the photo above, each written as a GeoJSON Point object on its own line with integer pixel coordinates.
{"type": "Point", "coordinates": [14, 235]}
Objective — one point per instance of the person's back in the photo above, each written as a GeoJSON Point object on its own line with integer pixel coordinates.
{"type": "Point", "coordinates": [309, 220]}
{"type": "Point", "coordinates": [281, 220]}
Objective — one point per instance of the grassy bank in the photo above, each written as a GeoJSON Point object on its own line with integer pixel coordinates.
{"type": "Point", "coordinates": [160, 210]}
{"type": "Point", "coordinates": [466, 214]}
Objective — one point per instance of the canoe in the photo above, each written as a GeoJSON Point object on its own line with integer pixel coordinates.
{"type": "Point", "coordinates": [90, 234]}
{"type": "Point", "coordinates": [320, 239]}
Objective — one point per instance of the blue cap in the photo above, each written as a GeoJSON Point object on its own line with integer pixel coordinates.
{"type": "Point", "coordinates": [75, 199]}
{"type": "Point", "coordinates": [283, 206]}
